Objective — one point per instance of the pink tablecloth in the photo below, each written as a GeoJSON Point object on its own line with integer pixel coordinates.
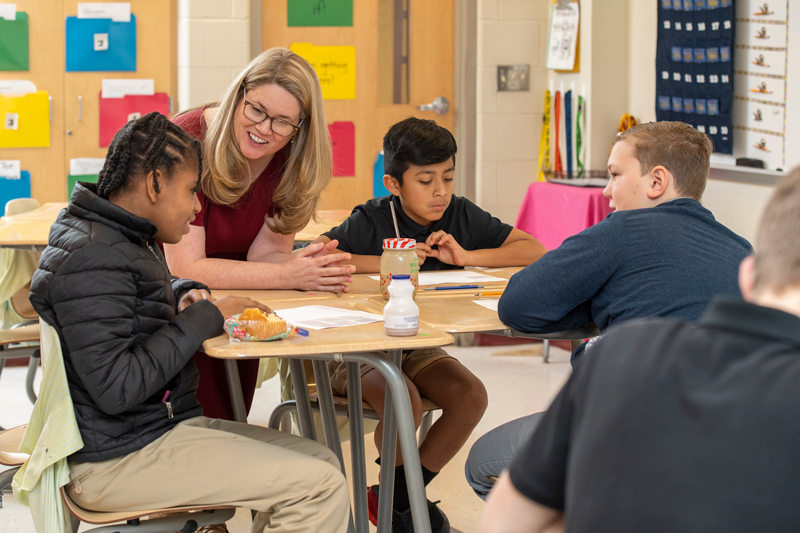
{"type": "Point", "coordinates": [552, 212]}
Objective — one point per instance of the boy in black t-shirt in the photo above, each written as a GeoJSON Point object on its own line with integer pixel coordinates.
{"type": "Point", "coordinates": [451, 232]}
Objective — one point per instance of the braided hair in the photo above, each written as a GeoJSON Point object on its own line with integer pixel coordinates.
{"type": "Point", "coordinates": [144, 145]}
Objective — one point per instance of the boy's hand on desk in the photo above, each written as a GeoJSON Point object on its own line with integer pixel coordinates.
{"type": "Point", "coordinates": [233, 305]}
{"type": "Point", "coordinates": [314, 268]}
{"type": "Point", "coordinates": [194, 295]}
{"type": "Point", "coordinates": [448, 250]}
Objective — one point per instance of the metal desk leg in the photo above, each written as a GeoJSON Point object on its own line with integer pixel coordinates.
{"type": "Point", "coordinates": [30, 377]}
{"type": "Point", "coordinates": [403, 425]}
{"type": "Point", "coordinates": [357, 453]}
{"type": "Point", "coordinates": [546, 350]}
{"type": "Point", "coordinates": [300, 386]}
{"type": "Point", "coordinates": [328, 411]}
{"type": "Point", "coordinates": [388, 454]}
{"type": "Point", "coordinates": [235, 389]}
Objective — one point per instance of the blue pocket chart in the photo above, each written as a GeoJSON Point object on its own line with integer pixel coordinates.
{"type": "Point", "coordinates": [11, 189]}
{"type": "Point", "coordinates": [118, 53]}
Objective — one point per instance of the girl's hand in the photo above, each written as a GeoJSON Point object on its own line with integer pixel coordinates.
{"type": "Point", "coordinates": [315, 269]}
{"type": "Point", "coordinates": [233, 305]}
{"type": "Point", "coordinates": [194, 295]}
{"type": "Point", "coordinates": [448, 250]}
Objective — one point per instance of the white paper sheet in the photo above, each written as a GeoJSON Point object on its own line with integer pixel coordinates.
{"type": "Point", "coordinates": [563, 37]}
{"type": "Point", "coordinates": [83, 166]}
{"type": "Point", "coordinates": [8, 11]}
{"type": "Point", "coordinates": [463, 277]}
{"type": "Point", "coordinates": [322, 317]}
{"type": "Point", "coordinates": [116, 11]}
{"type": "Point", "coordinates": [120, 88]}
{"type": "Point", "coordinates": [10, 169]}
{"type": "Point", "coordinates": [491, 305]}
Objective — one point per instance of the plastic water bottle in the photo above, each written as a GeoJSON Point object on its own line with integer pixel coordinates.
{"type": "Point", "coordinates": [401, 314]}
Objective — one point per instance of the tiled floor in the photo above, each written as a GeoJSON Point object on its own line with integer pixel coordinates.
{"type": "Point", "coordinates": [517, 385]}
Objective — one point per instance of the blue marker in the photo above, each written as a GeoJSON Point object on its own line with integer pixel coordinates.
{"type": "Point", "coordinates": [454, 287]}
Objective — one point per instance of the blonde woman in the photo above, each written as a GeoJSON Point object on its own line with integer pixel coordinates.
{"type": "Point", "coordinates": [267, 159]}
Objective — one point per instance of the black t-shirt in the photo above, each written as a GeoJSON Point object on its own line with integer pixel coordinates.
{"type": "Point", "coordinates": [366, 227]}
{"type": "Point", "coordinates": [668, 426]}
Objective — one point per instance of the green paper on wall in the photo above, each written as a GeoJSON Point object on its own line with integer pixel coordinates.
{"type": "Point", "coordinates": [320, 12]}
{"type": "Point", "coordinates": [14, 43]}
{"type": "Point", "coordinates": [72, 180]}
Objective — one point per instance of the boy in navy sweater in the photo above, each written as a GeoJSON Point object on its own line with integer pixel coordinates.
{"type": "Point", "coordinates": [660, 253]}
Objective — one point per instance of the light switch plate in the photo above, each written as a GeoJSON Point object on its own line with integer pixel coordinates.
{"type": "Point", "coordinates": [513, 78]}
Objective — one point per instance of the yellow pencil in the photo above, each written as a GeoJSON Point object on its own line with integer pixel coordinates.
{"type": "Point", "coordinates": [496, 293]}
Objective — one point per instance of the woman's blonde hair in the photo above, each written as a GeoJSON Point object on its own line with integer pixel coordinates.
{"type": "Point", "coordinates": [309, 163]}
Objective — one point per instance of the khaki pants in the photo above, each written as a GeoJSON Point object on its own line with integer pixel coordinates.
{"type": "Point", "coordinates": [295, 484]}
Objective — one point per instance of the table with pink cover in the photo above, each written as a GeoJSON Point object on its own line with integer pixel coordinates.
{"type": "Point", "coordinates": [551, 212]}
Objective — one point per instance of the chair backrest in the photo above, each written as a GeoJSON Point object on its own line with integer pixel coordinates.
{"type": "Point", "coordinates": [21, 303]}
{"type": "Point", "coordinates": [20, 205]}
{"type": "Point", "coordinates": [9, 447]}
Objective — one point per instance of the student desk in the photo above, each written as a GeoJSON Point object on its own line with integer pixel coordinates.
{"type": "Point", "coordinates": [328, 220]}
{"type": "Point", "coordinates": [354, 345]}
{"type": "Point", "coordinates": [364, 287]}
{"type": "Point", "coordinates": [29, 230]}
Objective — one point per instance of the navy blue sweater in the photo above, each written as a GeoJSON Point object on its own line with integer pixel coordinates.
{"type": "Point", "coordinates": [668, 260]}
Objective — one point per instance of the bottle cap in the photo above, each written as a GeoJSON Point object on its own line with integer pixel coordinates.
{"type": "Point", "coordinates": [399, 244]}
{"type": "Point", "coordinates": [401, 276]}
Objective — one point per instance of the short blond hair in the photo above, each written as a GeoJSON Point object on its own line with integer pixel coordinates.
{"type": "Point", "coordinates": [777, 255]}
{"type": "Point", "coordinates": [309, 161]}
{"type": "Point", "coordinates": [676, 146]}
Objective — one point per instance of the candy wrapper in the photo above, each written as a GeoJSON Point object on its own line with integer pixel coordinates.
{"type": "Point", "coordinates": [240, 330]}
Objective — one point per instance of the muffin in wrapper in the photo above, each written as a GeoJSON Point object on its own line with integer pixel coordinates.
{"type": "Point", "coordinates": [254, 325]}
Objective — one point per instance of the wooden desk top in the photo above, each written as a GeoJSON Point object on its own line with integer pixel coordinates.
{"type": "Point", "coordinates": [31, 227]}
{"type": "Point", "coordinates": [267, 296]}
{"type": "Point", "coordinates": [365, 338]}
{"type": "Point", "coordinates": [364, 287]}
{"type": "Point", "coordinates": [328, 220]}
{"type": "Point", "coordinates": [454, 314]}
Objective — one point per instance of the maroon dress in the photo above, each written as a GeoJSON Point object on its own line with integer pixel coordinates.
{"type": "Point", "coordinates": [230, 230]}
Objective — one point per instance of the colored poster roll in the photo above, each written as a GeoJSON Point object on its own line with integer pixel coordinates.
{"type": "Point", "coordinates": [568, 129]}
{"type": "Point", "coordinates": [544, 144]}
{"type": "Point", "coordinates": [558, 167]}
{"type": "Point", "coordinates": [579, 137]}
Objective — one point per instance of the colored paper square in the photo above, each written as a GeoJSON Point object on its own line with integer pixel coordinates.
{"type": "Point", "coordinates": [14, 43]}
{"type": "Point", "coordinates": [72, 180]}
{"type": "Point", "coordinates": [120, 54]}
{"type": "Point", "coordinates": [343, 143]}
{"type": "Point", "coordinates": [116, 112]}
{"type": "Point", "coordinates": [31, 121]}
{"type": "Point", "coordinates": [335, 67]}
{"type": "Point", "coordinates": [320, 12]}
{"type": "Point", "coordinates": [11, 189]}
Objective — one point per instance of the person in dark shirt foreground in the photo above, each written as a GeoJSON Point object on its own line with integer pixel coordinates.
{"type": "Point", "coordinates": [671, 426]}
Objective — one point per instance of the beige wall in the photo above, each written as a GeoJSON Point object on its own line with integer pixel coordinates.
{"type": "Point", "coordinates": [509, 124]}
{"type": "Point", "coordinates": [213, 47]}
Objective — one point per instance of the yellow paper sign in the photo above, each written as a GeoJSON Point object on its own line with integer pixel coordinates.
{"type": "Point", "coordinates": [335, 67]}
{"type": "Point", "coordinates": [25, 121]}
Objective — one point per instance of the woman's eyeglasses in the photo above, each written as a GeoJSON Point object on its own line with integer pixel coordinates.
{"type": "Point", "coordinates": [255, 114]}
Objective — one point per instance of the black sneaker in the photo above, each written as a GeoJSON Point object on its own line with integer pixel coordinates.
{"type": "Point", "coordinates": [402, 523]}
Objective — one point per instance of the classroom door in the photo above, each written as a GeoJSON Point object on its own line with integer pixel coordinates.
{"type": "Point", "coordinates": [430, 75]}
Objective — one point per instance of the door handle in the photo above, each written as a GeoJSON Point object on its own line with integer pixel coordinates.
{"type": "Point", "coordinates": [440, 106]}
{"type": "Point", "coordinates": [80, 108]}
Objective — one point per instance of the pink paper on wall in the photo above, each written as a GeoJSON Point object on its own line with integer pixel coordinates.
{"type": "Point", "coordinates": [116, 112]}
{"type": "Point", "coordinates": [343, 140]}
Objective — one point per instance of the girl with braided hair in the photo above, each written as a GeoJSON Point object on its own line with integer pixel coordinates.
{"type": "Point", "coordinates": [129, 330]}
{"type": "Point", "coordinates": [267, 159]}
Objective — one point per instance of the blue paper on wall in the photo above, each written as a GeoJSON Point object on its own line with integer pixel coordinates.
{"type": "Point", "coordinates": [11, 189]}
{"type": "Point", "coordinates": [95, 45]}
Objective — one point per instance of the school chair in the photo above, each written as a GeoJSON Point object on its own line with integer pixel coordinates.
{"type": "Point", "coordinates": [20, 342]}
{"type": "Point", "coordinates": [40, 483]}
{"type": "Point", "coordinates": [10, 457]}
{"type": "Point", "coordinates": [340, 405]}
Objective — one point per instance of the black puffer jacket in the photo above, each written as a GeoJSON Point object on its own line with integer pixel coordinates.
{"type": "Point", "coordinates": [103, 284]}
